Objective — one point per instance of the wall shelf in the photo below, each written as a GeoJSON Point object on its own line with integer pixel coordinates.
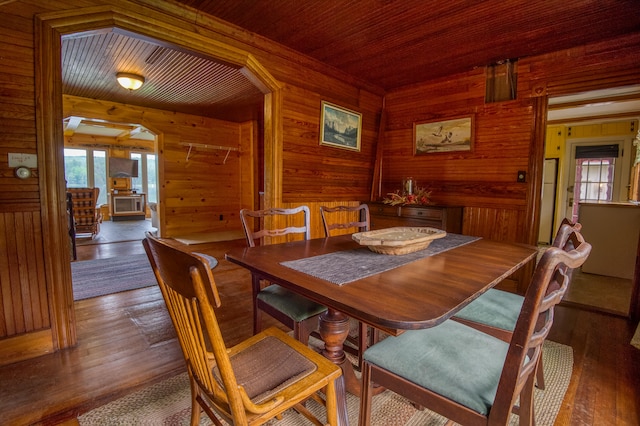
{"type": "Point", "coordinates": [206, 147]}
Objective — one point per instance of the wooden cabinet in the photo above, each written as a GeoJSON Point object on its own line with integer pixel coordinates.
{"type": "Point", "coordinates": [446, 218]}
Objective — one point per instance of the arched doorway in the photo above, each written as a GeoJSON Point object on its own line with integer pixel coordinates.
{"type": "Point", "coordinates": [50, 28]}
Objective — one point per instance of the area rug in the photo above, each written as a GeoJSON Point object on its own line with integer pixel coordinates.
{"type": "Point", "coordinates": [635, 341]}
{"type": "Point", "coordinates": [98, 277]}
{"type": "Point", "coordinates": [168, 402]}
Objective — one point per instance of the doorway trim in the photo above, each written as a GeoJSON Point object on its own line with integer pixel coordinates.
{"type": "Point", "coordinates": [49, 30]}
{"type": "Point", "coordinates": [590, 81]}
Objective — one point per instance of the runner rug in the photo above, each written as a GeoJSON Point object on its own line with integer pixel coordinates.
{"type": "Point", "coordinates": [168, 402]}
{"type": "Point", "coordinates": [365, 263]}
{"type": "Point", "coordinates": [98, 277]}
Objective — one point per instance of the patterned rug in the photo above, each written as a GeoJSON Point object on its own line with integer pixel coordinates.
{"type": "Point", "coordinates": [168, 402]}
{"type": "Point", "coordinates": [98, 277]}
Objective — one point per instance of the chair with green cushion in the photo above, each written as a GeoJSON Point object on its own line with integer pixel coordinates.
{"type": "Point", "coordinates": [468, 376]}
{"type": "Point", "coordinates": [496, 312]}
{"type": "Point", "coordinates": [295, 311]}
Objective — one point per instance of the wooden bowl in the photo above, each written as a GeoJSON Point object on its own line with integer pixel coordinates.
{"type": "Point", "coordinates": [399, 240]}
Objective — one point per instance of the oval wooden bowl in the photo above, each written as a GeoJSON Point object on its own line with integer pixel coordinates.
{"type": "Point", "coordinates": [398, 240]}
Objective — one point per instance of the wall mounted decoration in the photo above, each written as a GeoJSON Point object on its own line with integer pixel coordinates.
{"type": "Point", "coordinates": [443, 136]}
{"type": "Point", "coordinates": [340, 127]}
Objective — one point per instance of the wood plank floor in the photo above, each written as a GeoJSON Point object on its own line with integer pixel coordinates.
{"type": "Point", "coordinates": [117, 353]}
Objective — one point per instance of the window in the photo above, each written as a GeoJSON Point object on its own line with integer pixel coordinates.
{"type": "Point", "coordinates": [86, 168]}
{"type": "Point", "coordinates": [595, 168]}
{"type": "Point", "coordinates": [147, 175]}
{"type": "Point", "coordinates": [594, 179]}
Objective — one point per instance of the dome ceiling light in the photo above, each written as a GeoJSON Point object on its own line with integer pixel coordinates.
{"type": "Point", "coordinates": [130, 81]}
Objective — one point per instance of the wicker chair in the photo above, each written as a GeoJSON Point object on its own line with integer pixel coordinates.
{"type": "Point", "coordinates": [249, 383]}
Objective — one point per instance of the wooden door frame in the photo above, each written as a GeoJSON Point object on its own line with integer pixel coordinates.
{"type": "Point", "coordinates": [145, 22]}
{"type": "Point", "coordinates": [563, 88]}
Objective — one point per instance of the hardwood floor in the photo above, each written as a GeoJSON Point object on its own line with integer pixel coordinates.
{"type": "Point", "coordinates": [118, 353]}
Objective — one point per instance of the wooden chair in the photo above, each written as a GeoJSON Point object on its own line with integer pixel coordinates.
{"type": "Point", "coordinates": [468, 376]}
{"type": "Point", "coordinates": [355, 219]}
{"type": "Point", "coordinates": [86, 213]}
{"type": "Point", "coordinates": [251, 382]}
{"type": "Point", "coordinates": [295, 311]}
{"type": "Point", "coordinates": [345, 218]}
{"type": "Point", "coordinates": [496, 312]}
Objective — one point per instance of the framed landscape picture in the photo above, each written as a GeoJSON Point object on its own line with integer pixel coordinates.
{"type": "Point", "coordinates": [340, 127]}
{"type": "Point", "coordinates": [443, 136]}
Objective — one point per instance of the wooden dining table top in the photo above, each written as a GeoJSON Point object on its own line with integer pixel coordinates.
{"type": "Point", "coordinates": [420, 294]}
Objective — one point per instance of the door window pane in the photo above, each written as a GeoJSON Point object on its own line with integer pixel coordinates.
{"type": "Point", "coordinates": [152, 178]}
{"type": "Point", "coordinates": [100, 175]}
{"type": "Point", "coordinates": [75, 168]}
{"type": "Point", "coordinates": [594, 181]}
{"type": "Point", "coordinates": [136, 182]}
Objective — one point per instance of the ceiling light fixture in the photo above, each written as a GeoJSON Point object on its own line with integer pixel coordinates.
{"type": "Point", "coordinates": [130, 81]}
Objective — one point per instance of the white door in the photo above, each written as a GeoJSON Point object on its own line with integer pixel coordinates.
{"type": "Point", "coordinates": [548, 203]}
{"type": "Point", "coordinates": [595, 177]}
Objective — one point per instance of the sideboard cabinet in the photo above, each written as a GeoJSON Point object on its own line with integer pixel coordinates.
{"type": "Point", "coordinates": [386, 216]}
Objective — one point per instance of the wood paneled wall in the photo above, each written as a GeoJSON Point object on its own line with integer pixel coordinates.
{"type": "Point", "coordinates": [505, 134]}
{"type": "Point", "coordinates": [194, 192]}
{"type": "Point", "coordinates": [312, 172]}
{"type": "Point", "coordinates": [483, 181]}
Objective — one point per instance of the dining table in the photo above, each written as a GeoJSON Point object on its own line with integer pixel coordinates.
{"type": "Point", "coordinates": [392, 293]}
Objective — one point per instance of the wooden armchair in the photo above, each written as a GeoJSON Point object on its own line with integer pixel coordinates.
{"type": "Point", "coordinates": [251, 382]}
{"type": "Point", "coordinates": [86, 212]}
{"type": "Point", "coordinates": [496, 312]}
{"type": "Point", "coordinates": [338, 220]}
{"type": "Point", "coordinates": [295, 311]}
{"type": "Point", "coordinates": [468, 376]}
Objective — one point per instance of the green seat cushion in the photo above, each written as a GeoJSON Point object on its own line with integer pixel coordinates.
{"type": "Point", "coordinates": [451, 359]}
{"type": "Point", "coordinates": [293, 305]}
{"type": "Point", "coordinates": [496, 308]}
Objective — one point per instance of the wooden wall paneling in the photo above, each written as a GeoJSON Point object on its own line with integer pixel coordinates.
{"type": "Point", "coordinates": [312, 171]}
{"type": "Point", "coordinates": [197, 191]}
{"type": "Point", "coordinates": [152, 24]}
{"type": "Point", "coordinates": [249, 160]}
{"type": "Point", "coordinates": [24, 297]}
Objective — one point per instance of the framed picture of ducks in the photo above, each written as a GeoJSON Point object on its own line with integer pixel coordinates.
{"type": "Point", "coordinates": [443, 136]}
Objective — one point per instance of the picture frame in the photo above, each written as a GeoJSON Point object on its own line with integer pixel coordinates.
{"type": "Point", "coordinates": [340, 127]}
{"type": "Point", "coordinates": [443, 136]}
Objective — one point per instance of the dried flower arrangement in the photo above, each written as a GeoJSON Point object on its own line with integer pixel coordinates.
{"type": "Point", "coordinates": [420, 196]}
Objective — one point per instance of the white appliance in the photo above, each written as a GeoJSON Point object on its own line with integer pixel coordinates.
{"type": "Point", "coordinates": [548, 202]}
{"type": "Point", "coordinates": [127, 204]}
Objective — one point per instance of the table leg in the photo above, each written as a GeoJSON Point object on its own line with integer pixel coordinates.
{"type": "Point", "coordinates": [334, 329]}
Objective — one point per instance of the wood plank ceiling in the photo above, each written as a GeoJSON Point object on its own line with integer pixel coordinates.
{"type": "Point", "coordinates": [386, 43]}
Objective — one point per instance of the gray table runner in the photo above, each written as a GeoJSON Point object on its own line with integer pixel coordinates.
{"type": "Point", "coordinates": [343, 267]}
